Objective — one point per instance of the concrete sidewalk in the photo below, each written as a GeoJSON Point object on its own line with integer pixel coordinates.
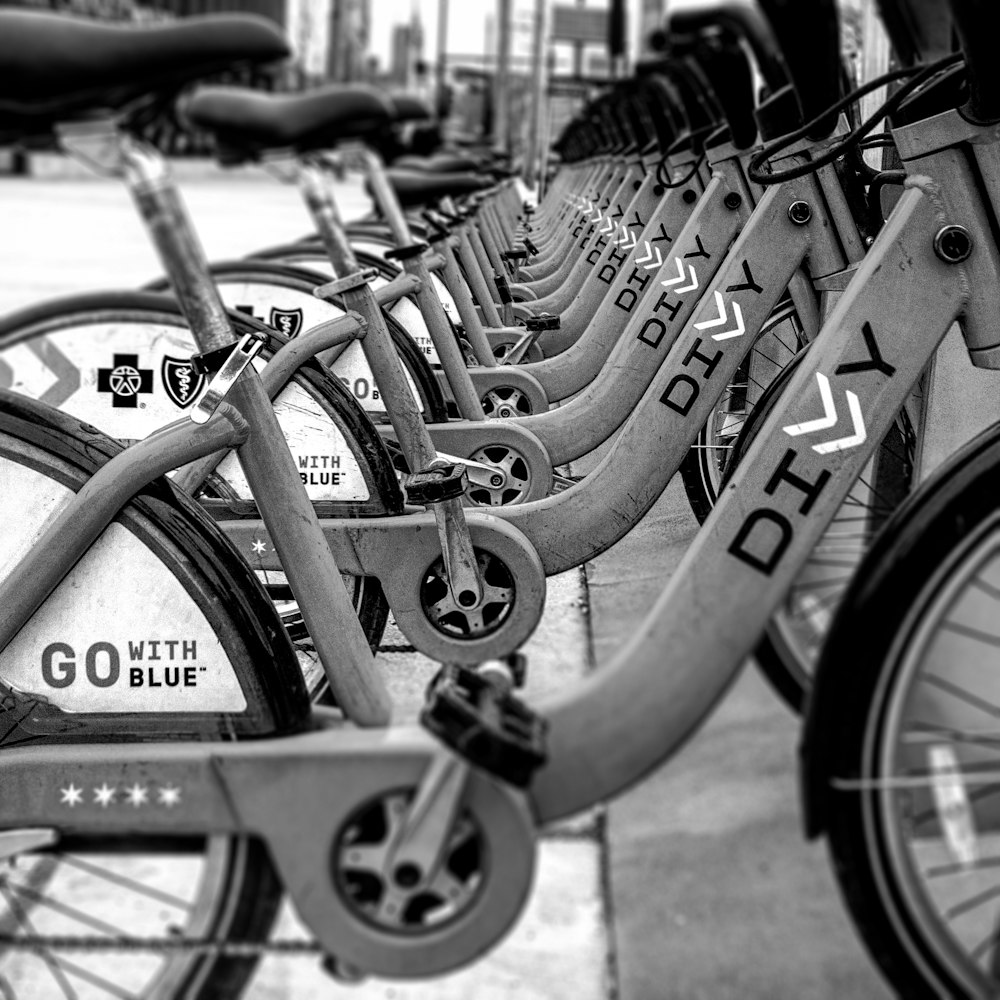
{"type": "Point", "coordinates": [696, 884]}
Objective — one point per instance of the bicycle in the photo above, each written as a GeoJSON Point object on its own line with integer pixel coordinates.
{"type": "Point", "coordinates": [218, 785]}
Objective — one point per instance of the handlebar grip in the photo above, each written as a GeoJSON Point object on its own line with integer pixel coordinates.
{"type": "Point", "coordinates": [978, 24]}
{"type": "Point", "coordinates": [744, 20]}
{"type": "Point", "coordinates": [808, 35]}
{"type": "Point", "coordinates": [728, 71]}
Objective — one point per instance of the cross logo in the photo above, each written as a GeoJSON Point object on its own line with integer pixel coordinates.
{"type": "Point", "coordinates": [125, 380]}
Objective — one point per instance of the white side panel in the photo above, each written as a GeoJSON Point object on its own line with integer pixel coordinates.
{"type": "Point", "coordinates": [120, 633]}
{"type": "Point", "coordinates": [291, 312]}
{"type": "Point", "coordinates": [129, 379]}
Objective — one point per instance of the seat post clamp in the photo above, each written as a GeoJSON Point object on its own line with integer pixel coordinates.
{"type": "Point", "coordinates": [407, 252]}
{"type": "Point", "coordinates": [225, 365]}
{"type": "Point", "coordinates": [337, 287]}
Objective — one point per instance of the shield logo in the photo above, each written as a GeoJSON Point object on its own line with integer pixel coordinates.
{"type": "Point", "coordinates": [181, 381]}
{"type": "Point", "coordinates": [286, 321]}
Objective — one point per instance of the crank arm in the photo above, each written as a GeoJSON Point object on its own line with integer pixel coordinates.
{"type": "Point", "coordinates": [468, 438]}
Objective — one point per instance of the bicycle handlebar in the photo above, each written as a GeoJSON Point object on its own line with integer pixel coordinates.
{"type": "Point", "coordinates": [978, 25]}
{"type": "Point", "coordinates": [742, 19]}
{"type": "Point", "coordinates": [808, 36]}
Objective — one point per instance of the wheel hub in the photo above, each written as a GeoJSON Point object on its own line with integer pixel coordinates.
{"type": "Point", "coordinates": [504, 402]}
{"type": "Point", "coordinates": [451, 618]}
{"type": "Point", "coordinates": [404, 899]}
{"type": "Point", "coordinates": [511, 482]}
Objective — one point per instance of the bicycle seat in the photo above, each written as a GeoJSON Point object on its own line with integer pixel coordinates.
{"type": "Point", "coordinates": [53, 68]}
{"type": "Point", "coordinates": [417, 188]}
{"type": "Point", "coordinates": [439, 163]}
{"type": "Point", "coordinates": [246, 122]}
{"type": "Point", "coordinates": [409, 108]}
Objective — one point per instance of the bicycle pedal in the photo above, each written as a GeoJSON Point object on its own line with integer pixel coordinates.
{"type": "Point", "coordinates": [341, 971]}
{"type": "Point", "coordinates": [503, 288]}
{"type": "Point", "coordinates": [491, 728]}
{"type": "Point", "coordinates": [542, 322]}
{"type": "Point", "coordinates": [561, 483]}
{"type": "Point", "coordinates": [510, 671]}
{"type": "Point", "coordinates": [442, 482]}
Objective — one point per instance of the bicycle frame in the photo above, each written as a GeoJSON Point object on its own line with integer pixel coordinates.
{"type": "Point", "coordinates": [574, 525]}
{"type": "Point", "coordinates": [873, 348]}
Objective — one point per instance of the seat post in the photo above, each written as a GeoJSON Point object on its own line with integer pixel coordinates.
{"type": "Point", "coordinates": [469, 404]}
{"type": "Point", "coordinates": [159, 203]}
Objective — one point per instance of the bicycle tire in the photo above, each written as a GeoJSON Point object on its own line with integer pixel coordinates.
{"type": "Point", "coordinates": [52, 323]}
{"type": "Point", "coordinates": [301, 281]}
{"type": "Point", "coordinates": [237, 893]}
{"type": "Point", "coordinates": [918, 669]}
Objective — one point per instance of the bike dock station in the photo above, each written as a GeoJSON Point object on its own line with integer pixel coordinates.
{"type": "Point", "coordinates": [229, 775]}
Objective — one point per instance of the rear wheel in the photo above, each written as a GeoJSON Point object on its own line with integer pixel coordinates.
{"type": "Point", "coordinates": [219, 888]}
{"type": "Point", "coordinates": [83, 340]}
{"type": "Point", "coordinates": [914, 754]}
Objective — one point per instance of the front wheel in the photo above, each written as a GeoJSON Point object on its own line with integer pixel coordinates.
{"type": "Point", "coordinates": [912, 783]}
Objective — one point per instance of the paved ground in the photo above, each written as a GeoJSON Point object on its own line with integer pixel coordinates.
{"type": "Point", "coordinates": [696, 884]}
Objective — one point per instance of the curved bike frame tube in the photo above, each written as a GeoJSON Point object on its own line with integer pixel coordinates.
{"type": "Point", "coordinates": [576, 524]}
{"type": "Point", "coordinates": [78, 525]}
{"type": "Point", "coordinates": [871, 351]}
{"type": "Point", "coordinates": [592, 326]}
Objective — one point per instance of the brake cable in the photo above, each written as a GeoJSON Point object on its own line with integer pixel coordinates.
{"type": "Point", "coordinates": [918, 77]}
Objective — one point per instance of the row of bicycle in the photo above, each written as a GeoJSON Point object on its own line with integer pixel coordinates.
{"type": "Point", "coordinates": [712, 280]}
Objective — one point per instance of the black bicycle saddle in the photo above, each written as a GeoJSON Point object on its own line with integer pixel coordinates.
{"type": "Point", "coordinates": [55, 68]}
{"type": "Point", "coordinates": [246, 122]}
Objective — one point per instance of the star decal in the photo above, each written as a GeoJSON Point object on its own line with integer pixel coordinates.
{"type": "Point", "coordinates": [71, 795]}
{"type": "Point", "coordinates": [137, 795]}
{"type": "Point", "coordinates": [105, 795]}
{"type": "Point", "coordinates": [169, 796]}
{"type": "Point", "coordinates": [259, 547]}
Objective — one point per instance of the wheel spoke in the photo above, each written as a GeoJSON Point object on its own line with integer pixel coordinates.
{"type": "Point", "coordinates": [124, 882]}
{"type": "Point", "coordinates": [365, 857]}
{"type": "Point", "coordinates": [50, 961]}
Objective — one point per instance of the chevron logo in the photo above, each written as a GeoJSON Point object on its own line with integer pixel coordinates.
{"type": "Point", "coordinates": [650, 251]}
{"type": "Point", "coordinates": [597, 215]}
{"type": "Point", "coordinates": [722, 319]}
{"type": "Point", "coordinates": [608, 226]}
{"type": "Point", "coordinates": [693, 278]}
{"type": "Point", "coordinates": [54, 364]}
{"type": "Point", "coordinates": [624, 235]}
{"type": "Point", "coordinates": [829, 419]}
{"type": "Point", "coordinates": [628, 236]}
